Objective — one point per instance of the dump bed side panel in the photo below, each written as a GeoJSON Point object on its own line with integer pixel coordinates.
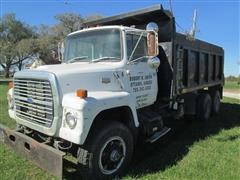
{"type": "Point", "coordinates": [197, 64]}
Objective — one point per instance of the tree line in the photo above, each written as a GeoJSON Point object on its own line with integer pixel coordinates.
{"type": "Point", "coordinates": [233, 78]}
{"type": "Point", "coordinates": [20, 41]}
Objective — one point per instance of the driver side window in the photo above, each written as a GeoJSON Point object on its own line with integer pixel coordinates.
{"type": "Point", "coordinates": [141, 49]}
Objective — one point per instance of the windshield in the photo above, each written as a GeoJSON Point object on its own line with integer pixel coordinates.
{"type": "Point", "coordinates": [94, 46]}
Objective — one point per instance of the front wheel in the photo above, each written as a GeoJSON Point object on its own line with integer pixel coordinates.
{"type": "Point", "coordinates": [111, 149]}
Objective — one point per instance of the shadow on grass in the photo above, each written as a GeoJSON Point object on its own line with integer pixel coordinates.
{"type": "Point", "coordinates": [150, 158]}
{"type": "Point", "coordinates": [168, 151]}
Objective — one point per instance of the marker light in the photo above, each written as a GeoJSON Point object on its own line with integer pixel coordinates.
{"type": "Point", "coordinates": [82, 93]}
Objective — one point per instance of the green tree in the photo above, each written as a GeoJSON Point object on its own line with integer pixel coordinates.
{"type": "Point", "coordinates": [93, 17]}
{"type": "Point", "coordinates": [49, 37]}
{"type": "Point", "coordinates": [12, 31]}
{"type": "Point", "coordinates": [7, 55]}
{"type": "Point", "coordinates": [26, 48]}
{"type": "Point", "coordinates": [68, 22]}
{"type": "Point", "coordinates": [47, 46]}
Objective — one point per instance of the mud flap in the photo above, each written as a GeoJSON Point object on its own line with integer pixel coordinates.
{"type": "Point", "coordinates": [44, 156]}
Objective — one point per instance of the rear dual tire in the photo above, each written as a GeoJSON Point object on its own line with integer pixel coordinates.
{"type": "Point", "coordinates": [216, 103]}
{"type": "Point", "coordinates": [203, 107]}
{"type": "Point", "coordinates": [207, 105]}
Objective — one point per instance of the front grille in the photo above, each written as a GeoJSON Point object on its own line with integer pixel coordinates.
{"type": "Point", "coordinates": [34, 101]}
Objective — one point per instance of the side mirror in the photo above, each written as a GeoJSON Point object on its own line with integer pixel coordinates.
{"type": "Point", "coordinates": [154, 62]}
{"type": "Point", "coordinates": [152, 43]}
{"type": "Point", "coordinates": [152, 26]}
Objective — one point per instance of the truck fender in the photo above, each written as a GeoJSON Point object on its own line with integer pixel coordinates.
{"type": "Point", "coordinates": [123, 114]}
{"type": "Point", "coordinates": [93, 107]}
{"type": "Point", "coordinates": [122, 103]}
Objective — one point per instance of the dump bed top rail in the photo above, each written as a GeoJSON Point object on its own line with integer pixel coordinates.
{"type": "Point", "coordinates": [197, 44]}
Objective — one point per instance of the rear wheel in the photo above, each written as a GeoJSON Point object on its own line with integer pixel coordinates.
{"type": "Point", "coordinates": [111, 149]}
{"type": "Point", "coordinates": [216, 102]}
{"type": "Point", "coordinates": [204, 106]}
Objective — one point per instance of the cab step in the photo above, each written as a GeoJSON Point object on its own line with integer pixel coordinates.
{"type": "Point", "coordinates": [157, 135]}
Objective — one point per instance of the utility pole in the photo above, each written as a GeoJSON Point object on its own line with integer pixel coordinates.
{"type": "Point", "coordinates": [191, 34]}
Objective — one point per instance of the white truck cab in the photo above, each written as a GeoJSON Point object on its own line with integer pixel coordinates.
{"type": "Point", "coordinates": [110, 63]}
{"type": "Point", "coordinates": [105, 70]}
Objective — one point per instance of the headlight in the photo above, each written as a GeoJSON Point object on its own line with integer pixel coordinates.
{"type": "Point", "coordinates": [10, 98]}
{"type": "Point", "coordinates": [71, 120]}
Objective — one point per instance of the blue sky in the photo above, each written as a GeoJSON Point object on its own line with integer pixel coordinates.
{"type": "Point", "coordinates": [218, 20]}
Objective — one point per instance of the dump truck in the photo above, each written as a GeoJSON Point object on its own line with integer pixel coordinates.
{"type": "Point", "coordinates": [122, 78]}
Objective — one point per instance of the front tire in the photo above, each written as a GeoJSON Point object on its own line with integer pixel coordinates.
{"type": "Point", "coordinates": [111, 148]}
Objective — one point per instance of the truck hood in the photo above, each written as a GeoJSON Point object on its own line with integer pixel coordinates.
{"type": "Point", "coordinates": [99, 76]}
{"type": "Point", "coordinates": [81, 67]}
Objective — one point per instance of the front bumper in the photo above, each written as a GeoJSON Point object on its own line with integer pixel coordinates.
{"type": "Point", "coordinates": [43, 155]}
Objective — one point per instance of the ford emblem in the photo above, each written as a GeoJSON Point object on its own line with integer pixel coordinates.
{"type": "Point", "coordinates": [29, 100]}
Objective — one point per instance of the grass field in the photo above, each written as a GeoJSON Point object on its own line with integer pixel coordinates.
{"type": "Point", "coordinates": [193, 150]}
{"type": "Point", "coordinates": [231, 85]}
{"type": "Point", "coordinates": [4, 118]}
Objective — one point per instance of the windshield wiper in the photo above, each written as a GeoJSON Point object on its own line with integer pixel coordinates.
{"type": "Point", "coordinates": [142, 57]}
{"type": "Point", "coordinates": [104, 59]}
{"type": "Point", "coordinates": [77, 59]}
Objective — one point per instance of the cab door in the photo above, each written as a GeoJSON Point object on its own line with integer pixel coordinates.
{"type": "Point", "coordinates": [142, 78]}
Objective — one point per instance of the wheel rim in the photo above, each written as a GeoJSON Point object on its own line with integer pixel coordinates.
{"type": "Point", "coordinates": [112, 155]}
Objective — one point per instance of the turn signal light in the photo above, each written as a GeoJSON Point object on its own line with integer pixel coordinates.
{"type": "Point", "coordinates": [82, 93]}
{"type": "Point", "coordinates": [10, 85]}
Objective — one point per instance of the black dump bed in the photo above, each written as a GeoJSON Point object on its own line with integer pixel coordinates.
{"type": "Point", "coordinates": [198, 64]}
{"type": "Point", "coordinates": [189, 64]}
